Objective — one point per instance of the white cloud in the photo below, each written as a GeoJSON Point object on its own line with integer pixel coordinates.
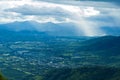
{"type": "Point", "coordinates": [88, 16]}
{"type": "Point", "coordinates": [46, 9]}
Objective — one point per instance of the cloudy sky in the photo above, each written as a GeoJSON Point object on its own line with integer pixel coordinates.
{"type": "Point", "coordinates": [87, 15]}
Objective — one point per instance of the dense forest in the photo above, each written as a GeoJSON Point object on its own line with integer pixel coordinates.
{"type": "Point", "coordinates": [84, 73]}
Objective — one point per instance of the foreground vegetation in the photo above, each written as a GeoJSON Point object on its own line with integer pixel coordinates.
{"type": "Point", "coordinates": [84, 73]}
{"type": "Point", "coordinates": [81, 73]}
{"type": "Point", "coordinates": [2, 77]}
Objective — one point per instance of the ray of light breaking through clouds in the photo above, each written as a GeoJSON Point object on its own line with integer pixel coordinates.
{"type": "Point", "coordinates": [89, 17]}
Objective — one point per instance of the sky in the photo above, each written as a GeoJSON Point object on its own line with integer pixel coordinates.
{"type": "Point", "coordinates": [88, 15]}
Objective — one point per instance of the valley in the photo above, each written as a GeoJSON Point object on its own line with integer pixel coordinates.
{"type": "Point", "coordinates": [31, 59]}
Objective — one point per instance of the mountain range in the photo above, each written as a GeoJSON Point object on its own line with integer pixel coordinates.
{"type": "Point", "coordinates": [49, 28]}
{"type": "Point", "coordinates": [52, 29]}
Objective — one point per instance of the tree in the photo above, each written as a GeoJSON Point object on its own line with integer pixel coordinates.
{"type": "Point", "coordinates": [2, 77]}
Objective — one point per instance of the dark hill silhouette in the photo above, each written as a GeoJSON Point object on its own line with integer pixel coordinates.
{"type": "Point", "coordinates": [101, 43]}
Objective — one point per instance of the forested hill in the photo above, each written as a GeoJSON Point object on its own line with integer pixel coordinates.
{"type": "Point", "coordinates": [106, 45]}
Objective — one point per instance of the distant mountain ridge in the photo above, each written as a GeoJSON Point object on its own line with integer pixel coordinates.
{"type": "Point", "coordinates": [54, 29]}
{"type": "Point", "coordinates": [61, 29]}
